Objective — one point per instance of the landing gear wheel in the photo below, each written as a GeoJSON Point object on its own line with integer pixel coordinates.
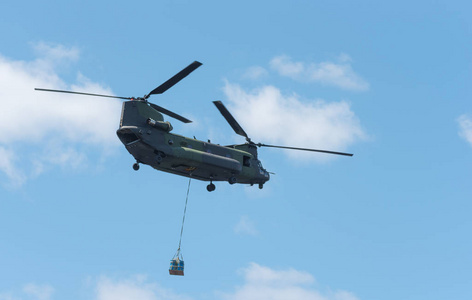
{"type": "Point", "coordinates": [211, 187]}
{"type": "Point", "coordinates": [261, 186]}
{"type": "Point", "coordinates": [232, 180]}
{"type": "Point", "coordinates": [135, 166]}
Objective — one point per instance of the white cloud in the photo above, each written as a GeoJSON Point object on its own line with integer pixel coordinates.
{"type": "Point", "coordinates": [268, 116]}
{"type": "Point", "coordinates": [265, 283]}
{"type": "Point", "coordinates": [259, 283]}
{"type": "Point", "coordinates": [137, 287]}
{"type": "Point", "coordinates": [39, 292]}
{"type": "Point", "coordinates": [40, 119]}
{"type": "Point", "coordinates": [339, 74]}
{"type": "Point", "coordinates": [245, 226]}
{"type": "Point", "coordinates": [265, 276]}
{"type": "Point", "coordinates": [465, 127]}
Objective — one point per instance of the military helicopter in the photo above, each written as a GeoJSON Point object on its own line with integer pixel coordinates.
{"type": "Point", "coordinates": [148, 138]}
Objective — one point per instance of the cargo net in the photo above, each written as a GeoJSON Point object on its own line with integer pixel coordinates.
{"type": "Point", "coordinates": [177, 263]}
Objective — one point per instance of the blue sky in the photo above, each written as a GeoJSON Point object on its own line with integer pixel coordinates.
{"type": "Point", "coordinates": [389, 82]}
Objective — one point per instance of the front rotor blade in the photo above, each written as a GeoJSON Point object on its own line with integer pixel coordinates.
{"type": "Point", "coordinates": [306, 149]}
{"type": "Point", "coordinates": [169, 113]}
{"type": "Point", "coordinates": [79, 93]}
{"type": "Point", "coordinates": [176, 78]}
{"type": "Point", "coordinates": [230, 119]}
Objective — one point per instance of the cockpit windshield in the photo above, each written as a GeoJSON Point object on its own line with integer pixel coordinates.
{"type": "Point", "coordinates": [262, 171]}
{"type": "Point", "coordinates": [259, 164]}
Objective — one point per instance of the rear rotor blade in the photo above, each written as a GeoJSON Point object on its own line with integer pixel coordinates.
{"type": "Point", "coordinates": [169, 113]}
{"type": "Point", "coordinates": [230, 119]}
{"type": "Point", "coordinates": [79, 93]}
{"type": "Point", "coordinates": [306, 149]}
{"type": "Point", "coordinates": [176, 78]}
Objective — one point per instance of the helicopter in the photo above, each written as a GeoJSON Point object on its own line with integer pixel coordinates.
{"type": "Point", "coordinates": [148, 138]}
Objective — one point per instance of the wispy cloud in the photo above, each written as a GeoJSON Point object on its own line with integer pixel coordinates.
{"type": "Point", "coordinates": [8, 160]}
{"type": "Point", "coordinates": [137, 287]}
{"type": "Point", "coordinates": [260, 283]}
{"type": "Point", "coordinates": [245, 226]}
{"type": "Point", "coordinates": [269, 116]}
{"type": "Point", "coordinates": [263, 283]}
{"type": "Point", "coordinates": [255, 72]}
{"type": "Point", "coordinates": [38, 119]}
{"type": "Point", "coordinates": [30, 291]}
{"type": "Point", "coordinates": [465, 128]}
{"type": "Point", "coordinates": [338, 74]}
{"type": "Point", "coordinates": [286, 67]}
{"type": "Point", "coordinates": [39, 292]}
{"type": "Point", "coordinates": [55, 54]}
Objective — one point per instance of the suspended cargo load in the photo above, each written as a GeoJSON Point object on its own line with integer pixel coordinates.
{"type": "Point", "coordinates": [176, 266]}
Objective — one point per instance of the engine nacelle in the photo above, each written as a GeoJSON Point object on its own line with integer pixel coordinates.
{"type": "Point", "coordinates": [165, 126]}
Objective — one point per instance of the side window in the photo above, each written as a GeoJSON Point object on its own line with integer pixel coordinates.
{"type": "Point", "coordinates": [246, 161]}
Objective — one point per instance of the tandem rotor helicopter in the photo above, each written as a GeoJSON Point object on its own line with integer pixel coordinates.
{"type": "Point", "coordinates": [148, 138]}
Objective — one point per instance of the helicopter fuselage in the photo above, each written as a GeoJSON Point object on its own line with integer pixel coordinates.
{"type": "Point", "coordinates": [149, 140]}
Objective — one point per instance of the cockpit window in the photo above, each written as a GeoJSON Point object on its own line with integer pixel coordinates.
{"type": "Point", "coordinates": [246, 161]}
